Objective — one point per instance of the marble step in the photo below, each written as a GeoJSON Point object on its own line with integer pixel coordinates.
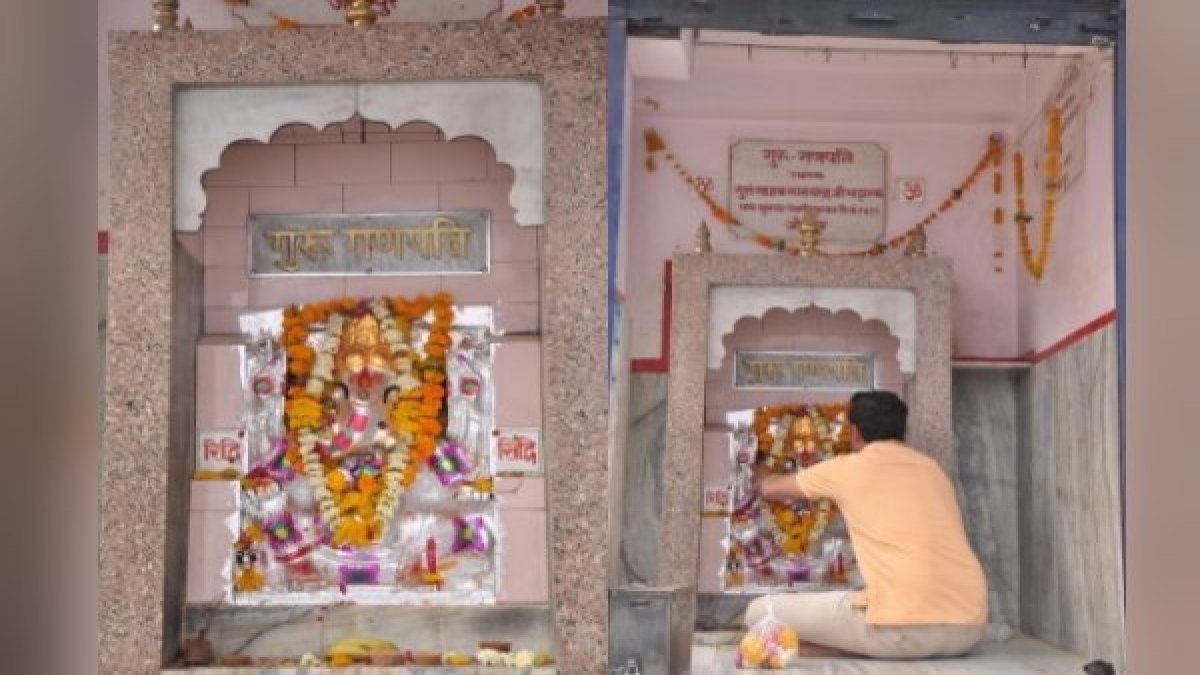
{"type": "Point", "coordinates": [714, 655]}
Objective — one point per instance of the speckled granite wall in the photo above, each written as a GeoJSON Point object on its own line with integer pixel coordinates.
{"type": "Point", "coordinates": [929, 420]}
{"type": "Point", "coordinates": [568, 57]}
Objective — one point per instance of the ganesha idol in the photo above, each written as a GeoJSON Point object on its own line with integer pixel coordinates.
{"type": "Point", "coordinates": [355, 436]}
{"type": "Point", "coordinates": [358, 432]}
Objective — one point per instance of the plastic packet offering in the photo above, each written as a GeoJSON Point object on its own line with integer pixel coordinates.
{"type": "Point", "coordinates": [264, 373]}
{"type": "Point", "coordinates": [770, 644]}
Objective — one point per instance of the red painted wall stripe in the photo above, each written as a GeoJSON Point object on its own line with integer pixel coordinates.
{"type": "Point", "coordinates": [1073, 337]}
{"type": "Point", "coordinates": [660, 364]}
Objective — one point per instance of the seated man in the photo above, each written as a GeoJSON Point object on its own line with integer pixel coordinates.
{"type": "Point", "coordinates": [925, 593]}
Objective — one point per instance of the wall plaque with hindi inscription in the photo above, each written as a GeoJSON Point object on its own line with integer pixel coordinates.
{"type": "Point", "coordinates": [774, 183]}
{"type": "Point", "coordinates": [803, 370]}
{"type": "Point", "coordinates": [408, 243]}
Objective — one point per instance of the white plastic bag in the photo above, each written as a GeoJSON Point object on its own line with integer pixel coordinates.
{"type": "Point", "coordinates": [769, 644]}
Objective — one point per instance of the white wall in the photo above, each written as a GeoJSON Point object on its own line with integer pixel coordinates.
{"type": "Point", "coordinates": [1080, 279]}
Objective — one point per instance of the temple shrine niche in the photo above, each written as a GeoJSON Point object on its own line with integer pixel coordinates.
{"type": "Point", "coordinates": [764, 354]}
{"type": "Point", "coordinates": [356, 451]}
{"type": "Point", "coordinates": [365, 459]}
{"type": "Point", "coordinates": [780, 396]}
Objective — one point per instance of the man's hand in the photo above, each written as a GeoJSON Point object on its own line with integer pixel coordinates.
{"type": "Point", "coordinates": [775, 487]}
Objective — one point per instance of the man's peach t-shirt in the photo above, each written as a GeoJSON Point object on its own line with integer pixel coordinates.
{"type": "Point", "coordinates": [908, 535]}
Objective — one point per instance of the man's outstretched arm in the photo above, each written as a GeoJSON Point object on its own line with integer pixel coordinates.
{"type": "Point", "coordinates": [777, 487]}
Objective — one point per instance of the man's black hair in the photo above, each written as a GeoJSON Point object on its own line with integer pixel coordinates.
{"type": "Point", "coordinates": [878, 416]}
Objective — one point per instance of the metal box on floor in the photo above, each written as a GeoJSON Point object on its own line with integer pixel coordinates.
{"type": "Point", "coordinates": [653, 626]}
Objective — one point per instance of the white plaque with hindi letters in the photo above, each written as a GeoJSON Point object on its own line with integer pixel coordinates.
{"type": "Point", "coordinates": [803, 370]}
{"type": "Point", "coordinates": [774, 183]}
{"type": "Point", "coordinates": [407, 243]}
{"type": "Point", "coordinates": [221, 452]}
{"type": "Point", "coordinates": [517, 451]}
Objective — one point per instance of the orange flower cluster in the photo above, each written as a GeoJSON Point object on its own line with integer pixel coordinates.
{"type": "Point", "coordinates": [358, 525]}
{"type": "Point", "coordinates": [656, 144]}
{"type": "Point", "coordinates": [523, 14]}
{"type": "Point", "coordinates": [285, 23]}
{"type": "Point", "coordinates": [296, 321]}
{"type": "Point", "coordinates": [419, 412]}
{"type": "Point", "coordinates": [828, 411]}
{"type": "Point", "coordinates": [795, 528]}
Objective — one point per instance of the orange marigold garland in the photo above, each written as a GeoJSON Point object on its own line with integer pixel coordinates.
{"type": "Point", "coordinates": [1035, 263]}
{"type": "Point", "coordinates": [655, 144]}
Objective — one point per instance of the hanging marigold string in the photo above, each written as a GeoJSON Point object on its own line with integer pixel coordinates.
{"type": "Point", "coordinates": [1035, 263]}
{"type": "Point", "coordinates": [998, 215]}
{"type": "Point", "coordinates": [656, 145]}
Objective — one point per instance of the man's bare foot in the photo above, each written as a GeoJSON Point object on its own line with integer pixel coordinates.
{"type": "Point", "coordinates": [815, 651]}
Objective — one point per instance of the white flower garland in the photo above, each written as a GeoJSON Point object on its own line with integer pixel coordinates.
{"type": "Point", "coordinates": [321, 374]}
{"type": "Point", "coordinates": [396, 461]}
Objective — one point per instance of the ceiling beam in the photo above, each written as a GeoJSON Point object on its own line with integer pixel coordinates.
{"type": "Point", "coordinates": [1055, 22]}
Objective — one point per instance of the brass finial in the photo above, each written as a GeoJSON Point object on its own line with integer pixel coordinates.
{"type": "Point", "coordinates": [552, 9]}
{"type": "Point", "coordinates": [361, 13]}
{"type": "Point", "coordinates": [703, 239]}
{"type": "Point", "coordinates": [166, 15]}
{"type": "Point", "coordinates": [810, 228]}
{"type": "Point", "coordinates": [917, 243]}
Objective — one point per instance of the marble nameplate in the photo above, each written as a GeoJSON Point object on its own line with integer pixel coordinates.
{"type": "Point", "coordinates": [409, 243]}
{"type": "Point", "coordinates": [803, 370]}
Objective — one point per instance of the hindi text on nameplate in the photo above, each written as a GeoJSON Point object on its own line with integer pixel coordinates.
{"type": "Point", "coordinates": [774, 183]}
{"type": "Point", "coordinates": [803, 370]}
{"type": "Point", "coordinates": [221, 452]}
{"type": "Point", "coordinates": [408, 243]}
{"type": "Point", "coordinates": [517, 451]}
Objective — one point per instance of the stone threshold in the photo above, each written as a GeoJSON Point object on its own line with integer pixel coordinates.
{"type": "Point", "coordinates": [1021, 655]}
{"type": "Point", "coordinates": [361, 670]}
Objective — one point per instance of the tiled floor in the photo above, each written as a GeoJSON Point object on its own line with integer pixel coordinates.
{"type": "Point", "coordinates": [713, 655]}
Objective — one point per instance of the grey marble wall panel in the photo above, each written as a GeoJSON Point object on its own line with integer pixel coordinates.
{"type": "Point", "coordinates": [642, 511]}
{"type": "Point", "coordinates": [186, 319]}
{"type": "Point", "coordinates": [1069, 496]}
{"type": "Point", "coordinates": [985, 440]}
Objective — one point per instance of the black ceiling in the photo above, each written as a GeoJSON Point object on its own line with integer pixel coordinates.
{"type": "Point", "coordinates": [1068, 22]}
